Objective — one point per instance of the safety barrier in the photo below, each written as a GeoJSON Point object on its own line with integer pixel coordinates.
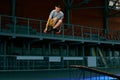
{"type": "Point", "coordinates": [19, 26]}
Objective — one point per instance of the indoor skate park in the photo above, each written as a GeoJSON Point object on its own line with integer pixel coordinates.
{"type": "Point", "coordinates": [87, 47]}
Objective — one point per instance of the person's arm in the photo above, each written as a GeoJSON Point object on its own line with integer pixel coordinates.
{"type": "Point", "coordinates": [47, 23]}
{"type": "Point", "coordinates": [50, 16]}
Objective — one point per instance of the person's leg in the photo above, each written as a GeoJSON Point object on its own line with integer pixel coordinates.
{"type": "Point", "coordinates": [57, 31]}
{"type": "Point", "coordinates": [58, 24]}
{"type": "Point", "coordinates": [51, 22]}
{"type": "Point", "coordinates": [50, 25]}
{"type": "Point", "coordinates": [54, 24]}
{"type": "Point", "coordinates": [54, 21]}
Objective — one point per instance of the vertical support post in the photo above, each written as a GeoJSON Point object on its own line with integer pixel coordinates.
{"type": "Point", "coordinates": [28, 48]}
{"type": "Point", "coordinates": [63, 29]}
{"type": "Point", "coordinates": [24, 48]}
{"type": "Point", "coordinates": [68, 4]}
{"type": "Point", "coordinates": [112, 52]}
{"type": "Point", "coordinates": [109, 56]}
{"type": "Point", "coordinates": [5, 61]}
{"type": "Point", "coordinates": [13, 14]}
{"type": "Point", "coordinates": [97, 51]}
{"type": "Point", "coordinates": [49, 48]}
{"type": "Point", "coordinates": [106, 16]}
{"type": "Point", "coordinates": [61, 52]}
{"type": "Point", "coordinates": [14, 20]}
{"type": "Point", "coordinates": [82, 33]}
{"type": "Point", "coordinates": [83, 51]}
{"type": "Point", "coordinates": [73, 32]}
{"type": "Point", "coordinates": [67, 50]}
{"type": "Point", "coordinates": [67, 54]}
{"type": "Point", "coordinates": [97, 56]}
{"type": "Point", "coordinates": [12, 47]}
{"type": "Point", "coordinates": [68, 11]}
{"type": "Point", "coordinates": [28, 26]}
{"type": "Point", "coordinates": [98, 31]}
{"type": "Point", "coordinates": [91, 33]}
{"type": "Point", "coordinates": [43, 49]}
{"type": "Point", "coordinates": [76, 50]}
{"type": "Point", "coordinates": [0, 47]}
{"type": "Point", "coordinates": [13, 7]}
{"type": "Point", "coordinates": [40, 27]}
{"type": "Point", "coordinates": [28, 53]}
{"type": "Point", "coordinates": [91, 51]}
{"type": "Point", "coordinates": [68, 15]}
{"type": "Point", "coordinates": [0, 23]}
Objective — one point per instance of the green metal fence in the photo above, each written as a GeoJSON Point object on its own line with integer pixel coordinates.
{"type": "Point", "coordinates": [19, 26]}
{"type": "Point", "coordinates": [32, 63]}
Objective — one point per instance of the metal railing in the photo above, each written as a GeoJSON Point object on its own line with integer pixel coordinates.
{"type": "Point", "coordinates": [22, 62]}
{"type": "Point", "coordinates": [32, 63]}
{"type": "Point", "coordinates": [19, 26]}
{"type": "Point", "coordinates": [111, 61]}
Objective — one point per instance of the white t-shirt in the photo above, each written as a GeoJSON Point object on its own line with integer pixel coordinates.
{"type": "Point", "coordinates": [58, 15]}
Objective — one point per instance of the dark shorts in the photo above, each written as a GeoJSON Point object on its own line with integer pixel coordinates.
{"type": "Point", "coordinates": [50, 29]}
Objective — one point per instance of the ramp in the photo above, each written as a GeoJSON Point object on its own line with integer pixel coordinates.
{"type": "Point", "coordinates": [84, 70]}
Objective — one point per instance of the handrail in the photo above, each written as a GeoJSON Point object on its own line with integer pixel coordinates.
{"type": "Point", "coordinates": [21, 17]}
{"type": "Point", "coordinates": [45, 21]}
{"type": "Point", "coordinates": [95, 70]}
{"type": "Point", "coordinates": [84, 32]}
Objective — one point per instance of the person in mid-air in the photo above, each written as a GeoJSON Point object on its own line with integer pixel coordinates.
{"type": "Point", "coordinates": [55, 20]}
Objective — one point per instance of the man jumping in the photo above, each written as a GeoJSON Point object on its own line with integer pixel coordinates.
{"type": "Point", "coordinates": [55, 20]}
